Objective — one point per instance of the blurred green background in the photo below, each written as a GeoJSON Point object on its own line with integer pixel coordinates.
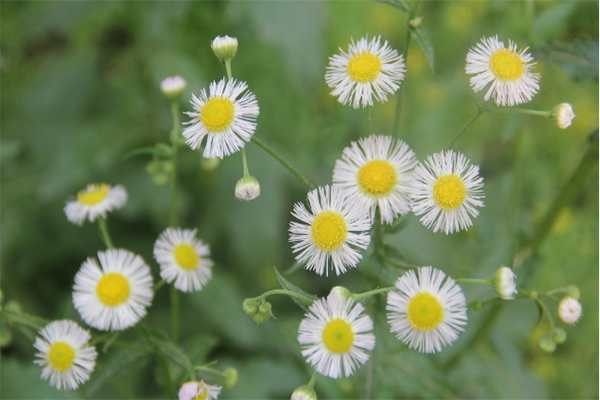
{"type": "Point", "coordinates": [80, 89]}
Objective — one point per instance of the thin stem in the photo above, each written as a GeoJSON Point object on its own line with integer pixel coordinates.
{"type": "Point", "coordinates": [311, 383]}
{"type": "Point", "coordinates": [480, 110]}
{"type": "Point", "coordinates": [174, 314]}
{"type": "Point", "coordinates": [468, 280]}
{"type": "Point", "coordinates": [174, 149]}
{"type": "Point", "coordinates": [228, 68]}
{"type": "Point", "coordinates": [546, 312]}
{"type": "Point", "coordinates": [283, 162]}
{"type": "Point", "coordinates": [369, 120]}
{"type": "Point", "coordinates": [286, 292]}
{"type": "Point", "coordinates": [545, 114]}
{"type": "Point", "coordinates": [245, 162]}
{"type": "Point", "coordinates": [366, 295]}
{"type": "Point", "coordinates": [158, 285]}
{"type": "Point", "coordinates": [21, 318]}
{"type": "Point", "coordinates": [104, 233]}
{"type": "Point", "coordinates": [400, 264]}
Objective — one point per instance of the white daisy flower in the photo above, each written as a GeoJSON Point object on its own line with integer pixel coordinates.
{"type": "Point", "coordinates": [377, 170]}
{"type": "Point", "coordinates": [198, 391]}
{"type": "Point", "coordinates": [509, 72]}
{"type": "Point", "coordinates": [66, 357]}
{"type": "Point", "coordinates": [183, 259]}
{"type": "Point", "coordinates": [226, 121]}
{"type": "Point", "coordinates": [446, 191]}
{"type": "Point", "coordinates": [427, 311]}
{"type": "Point", "coordinates": [332, 230]}
{"type": "Point", "coordinates": [97, 199]}
{"type": "Point", "coordinates": [334, 336]}
{"type": "Point", "coordinates": [369, 69]}
{"type": "Point", "coordinates": [113, 295]}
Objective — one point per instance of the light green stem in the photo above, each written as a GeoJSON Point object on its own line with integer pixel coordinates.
{"type": "Point", "coordinates": [480, 110]}
{"type": "Point", "coordinates": [228, 68]}
{"type": "Point", "coordinates": [283, 162]}
{"type": "Point", "coordinates": [538, 113]}
{"type": "Point", "coordinates": [174, 314]}
{"type": "Point", "coordinates": [104, 233]}
{"type": "Point", "coordinates": [245, 163]}
{"type": "Point", "coordinates": [369, 120]}
{"type": "Point", "coordinates": [366, 295]}
{"type": "Point", "coordinates": [311, 383]}
{"type": "Point", "coordinates": [468, 280]}
{"type": "Point", "coordinates": [174, 150]}
{"type": "Point", "coordinates": [286, 292]}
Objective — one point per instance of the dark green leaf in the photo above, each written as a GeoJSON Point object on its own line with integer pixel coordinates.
{"type": "Point", "coordinates": [578, 59]}
{"type": "Point", "coordinates": [160, 149]}
{"type": "Point", "coordinates": [401, 5]}
{"type": "Point", "coordinates": [285, 284]}
{"type": "Point", "coordinates": [552, 21]}
{"type": "Point", "coordinates": [423, 39]}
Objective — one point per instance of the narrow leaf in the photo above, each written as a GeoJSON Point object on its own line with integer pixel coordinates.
{"type": "Point", "coordinates": [399, 4]}
{"type": "Point", "coordinates": [399, 224]}
{"type": "Point", "coordinates": [285, 284]}
{"type": "Point", "coordinates": [160, 149]}
{"type": "Point", "coordinates": [423, 39]}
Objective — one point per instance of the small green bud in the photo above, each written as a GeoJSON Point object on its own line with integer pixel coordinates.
{"type": "Point", "coordinates": [225, 48]}
{"type": "Point", "coordinates": [264, 312]}
{"type": "Point", "coordinates": [250, 306]}
{"type": "Point", "coordinates": [209, 164]}
{"type": "Point", "coordinates": [503, 282]}
{"type": "Point", "coordinates": [172, 87]}
{"type": "Point", "coordinates": [415, 22]}
{"type": "Point", "coordinates": [546, 343]}
{"type": "Point", "coordinates": [559, 335]}
{"type": "Point", "coordinates": [573, 292]}
{"type": "Point", "coordinates": [562, 115]}
{"type": "Point", "coordinates": [304, 393]}
{"type": "Point", "coordinates": [160, 171]}
{"type": "Point", "coordinates": [6, 338]}
{"type": "Point", "coordinates": [247, 188]}
{"type": "Point", "coordinates": [341, 292]}
{"type": "Point", "coordinates": [230, 377]}
{"type": "Point", "coordinates": [14, 306]}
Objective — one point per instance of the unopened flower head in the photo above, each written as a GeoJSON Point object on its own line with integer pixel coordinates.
{"type": "Point", "coordinates": [226, 116]}
{"type": "Point", "coordinates": [569, 310]}
{"type": "Point", "coordinates": [114, 294]}
{"type": "Point", "coordinates": [368, 70]}
{"type": "Point", "coordinates": [184, 260]}
{"type": "Point", "coordinates": [508, 71]}
{"type": "Point", "coordinates": [247, 188]}
{"type": "Point", "coordinates": [377, 171]}
{"type": "Point", "coordinates": [446, 192]}
{"type": "Point", "coordinates": [331, 229]}
{"type": "Point", "coordinates": [335, 335]}
{"type": "Point", "coordinates": [173, 86]}
{"type": "Point", "coordinates": [563, 115]}
{"type": "Point", "coordinates": [198, 391]}
{"type": "Point", "coordinates": [428, 310]}
{"type": "Point", "coordinates": [96, 200]}
{"type": "Point", "coordinates": [503, 282]}
{"type": "Point", "coordinates": [224, 47]}
{"type": "Point", "coordinates": [64, 353]}
{"type": "Point", "coordinates": [304, 393]}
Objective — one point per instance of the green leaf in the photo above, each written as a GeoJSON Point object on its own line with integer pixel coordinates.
{"type": "Point", "coordinates": [423, 39]}
{"type": "Point", "coordinates": [552, 22]}
{"type": "Point", "coordinates": [578, 58]}
{"type": "Point", "coordinates": [285, 284]}
{"type": "Point", "coordinates": [398, 224]}
{"type": "Point", "coordinates": [400, 5]}
{"type": "Point", "coordinates": [161, 149]}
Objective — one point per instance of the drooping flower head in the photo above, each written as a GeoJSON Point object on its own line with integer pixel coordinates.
{"type": "Point", "coordinates": [508, 71]}
{"type": "Point", "coordinates": [335, 335]}
{"type": "Point", "coordinates": [446, 191]}
{"type": "Point", "coordinates": [198, 391]}
{"type": "Point", "coordinates": [427, 311]}
{"type": "Point", "coordinates": [114, 294]}
{"type": "Point", "coordinates": [64, 353]}
{"type": "Point", "coordinates": [368, 70]}
{"type": "Point", "coordinates": [377, 170]}
{"type": "Point", "coordinates": [227, 120]}
{"type": "Point", "coordinates": [183, 259]}
{"type": "Point", "coordinates": [96, 200]}
{"type": "Point", "coordinates": [331, 230]}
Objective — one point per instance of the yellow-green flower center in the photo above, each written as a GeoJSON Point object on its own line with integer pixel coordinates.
{"type": "Point", "coordinates": [507, 65]}
{"type": "Point", "coordinates": [377, 178]}
{"type": "Point", "coordinates": [449, 192]}
{"type": "Point", "coordinates": [338, 336]}
{"type": "Point", "coordinates": [93, 194]}
{"type": "Point", "coordinates": [217, 113]}
{"type": "Point", "coordinates": [364, 66]}
{"type": "Point", "coordinates": [424, 311]}
{"type": "Point", "coordinates": [113, 289]}
{"type": "Point", "coordinates": [186, 256]}
{"type": "Point", "coordinates": [329, 230]}
{"type": "Point", "coordinates": [61, 356]}
{"type": "Point", "coordinates": [202, 395]}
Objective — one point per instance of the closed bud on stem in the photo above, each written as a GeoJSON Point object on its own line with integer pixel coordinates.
{"type": "Point", "coordinates": [173, 87]}
{"type": "Point", "coordinates": [503, 282]}
{"type": "Point", "coordinates": [341, 292]}
{"type": "Point", "coordinates": [247, 188]}
{"type": "Point", "coordinates": [209, 164]}
{"type": "Point", "coordinates": [415, 22]}
{"type": "Point", "coordinates": [559, 335]}
{"type": "Point", "coordinates": [250, 306]}
{"type": "Point", "coordinates": [264, 312]}
{"type": "Point", "coordinates": [225, 48]}
{"type": "Point", "coordinates": [546, 343]}
{"type": "Point", "coordinates": [569, 310]}
{"type": "Point", "coordinates": [573, 291]}
{"type": "Point", "coordinates": [304, 393]}
{"type": "Point", "coordinates": [562, 115]}
{"type": "Point", "coordinates": [230, 377]}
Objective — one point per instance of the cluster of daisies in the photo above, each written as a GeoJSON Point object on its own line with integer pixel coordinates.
{"type": "Point", "coordinates": [113, 291]}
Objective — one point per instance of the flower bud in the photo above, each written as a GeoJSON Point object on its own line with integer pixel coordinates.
{"type": "Point", "coordinates": [264, 312]}
{"type": "Point", "coordinates": [503, 282]}
{"type": "Point", "coordinates": [546, 343]}
{"type": "Point", "coordinates": [173, 86]}
{"type": "Point", "coordinates": [562, 115]}
{"type": "Point", "coordinates": [573, 291]}
{"type": "Point", "coordinates": [250, 306]}
{"type": "Point", "coordinates": [415, 22]}
{"type": "Point", "coordinates": [198, 390]}
{"type": "Point", "coordinates": [225, 48]}
{"type": "Point", "coordinates": [569, 310]}
{"type": "Point", "coordinates": [247, 188]}
{"type": "Point", "coordinates": [230, 377]}
{"type": "Point", "coordinates": [559, 335]}
{"type": "Point", "coordinates": [340, 291]}
{"type": "Point", "coordinates": [209, 164]}
{"type": "Point", "coordinates": [304, 393]}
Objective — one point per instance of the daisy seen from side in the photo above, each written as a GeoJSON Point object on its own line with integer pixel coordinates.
{"type": "Point", "coordinates": [225, 116]}
{"type": "Point", "coordinates": [446, 192]}
{"type": "Point", "coordinates": [427, 311]}
{"type": "Point", "coordinates": [183, 259]}
{"type": "Point", "coordinates": [64, 353]}
{"type": "Point", "coordinates": [368, 70]}
{"type": "Point", "coordinates": [330, 231]}
{"type": "Point", "coordinates": [508, 70]}
{"type": "Point", "coordinates": [195, 390]}
{"type": "Point", "coordinates": [335, 336]}
{"type": "Point", "coordinates": [114, 294]}
{"type": "Point", "coordinates": [377, 170]}
{"type": "Point", "coordinates": [96, 200]}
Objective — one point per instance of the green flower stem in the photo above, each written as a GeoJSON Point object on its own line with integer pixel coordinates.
{"type": "Point", "coordinates": [228, 68]}
{"type": "Point", "coordinates": [21, 318]}
{"type": "Point", "coordinates": [245, 162]}
{"type": "Point", "coordinates": [283, 162]}
{"type": "Point", "coordinates": [480, 110]}
{"type": "Point", "coordinates": [104, 233]}
{"type": "Point", "coordinates": [158, 285]}
{"type": "Point", "coordinates": [478, 281]}
{"type": "Point", "coordinates": [545, 114]}
{"type": "Point", "coordinates": [311, 383]}
{"type": "Point", "coordinates": [366, 295]}
{"type": "Point", "coordinates": [546, 312]}
{"type": "Point", "coordinates": [174, 314]}
{"type": "Point", "coordinates": [286, 292]}
{"type": "Point", "coordinates": [401, 264]}
{"type": "Point", "coordinates": [369, 120]}
{"type": "Point", "coordinates": [175, 133]}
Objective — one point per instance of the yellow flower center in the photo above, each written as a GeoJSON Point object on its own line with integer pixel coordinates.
{"type": "Point", "coordinates": [93, 194]}
{"type": "Point", "coordinates": [449, 192]}
{"type": "Point", "coordinates": [113, 289]}
{"type": "Point", "coordinates": [377, 178]}
{"type": "Point", "coordinates": [217, 113]}
{"type": "Point", "coordinates": [202, 395]}
{"type": "Point", "coordinates": [338, 336]}
{"type": "Point", "coordinates": [186, 256]}
{"type": "Point", "coordinates": [364, 66]}
{"type": "Point", "coordinates": [507, 65]}
{"type": "Point", "coordinates": [424, 311]}
{"type": "Point", "coordinates": [329, 230]}
{"type": "Point", "coordinates": [61, 356]}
